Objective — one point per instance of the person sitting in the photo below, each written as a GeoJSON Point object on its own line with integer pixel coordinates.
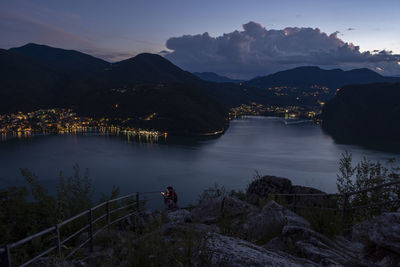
{"type": "Point", "coordinates": [170, 198]}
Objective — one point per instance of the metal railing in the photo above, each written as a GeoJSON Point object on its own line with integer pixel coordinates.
{"type": "Point", "coordinates": [59, 242]}
{"type": "Point", "coordinates": [134, 207]}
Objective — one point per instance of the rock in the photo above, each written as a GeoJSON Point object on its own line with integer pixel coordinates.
{"type": "Point", "coordinates": [261, 188]}
{"type": "Point", "coordinates": [232, 207]}
{"type": "Point", "coordinates": [306, 243]}
{"type": "Point", "coordinates": [309, 201]}
{"type": "Point", "coordinates": [230, 251]}
{"type": "Point", "coordinates": [211, 210]}
{"type": "Point", "coordinates": [360, 231]}
{"type": "Point", "coordinates": [385, 231]}
{"type": "Point", "coordinates": [180, 216]}
{"type": "Point", "coordinates": [273, 209]}
{"type": "Point", "coordinates": [263, 226]}
{"type": "Point", "coordinates": [382, 257]}
{"type": "Point", "coordinates": [170, 229]}
{"type": "Point", "coordinates": [298, 189]}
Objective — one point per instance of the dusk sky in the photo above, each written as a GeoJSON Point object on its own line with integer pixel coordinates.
{"type": "Point", "coordinates": [240, 39]}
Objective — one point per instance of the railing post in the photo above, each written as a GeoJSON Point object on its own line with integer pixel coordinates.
{"type": "Point", "coordinates": [90, 221]}
{"type": "Point", "coordinates": [58, 243]}
{"type": "Point", "coordinates": [7, 256]}
{"type": "Point", "coordinates": [137, 201]}
{"type": "Point", "coordinates": [108, 214]}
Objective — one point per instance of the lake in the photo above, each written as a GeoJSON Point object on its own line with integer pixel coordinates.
{"type": "Point", "coordinates": [299, 150]}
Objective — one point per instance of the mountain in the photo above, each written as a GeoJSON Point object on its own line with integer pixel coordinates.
{"type": "Point", "coordinates": [26, 84]}
{"type": "Point", "coordinates": [305, 77]}
{"type": "Point", "coordinates": [213, 77]}
{"type": "Point", "coordinates": [364, 114]}
{"type": "Point", "coordinates": [148, 68]}
{"type": "Point", "coordinates": [61, 60]}
{"type": "Point", "coordinates": [134, 88]}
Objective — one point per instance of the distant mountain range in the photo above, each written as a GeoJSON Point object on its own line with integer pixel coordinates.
{"type": "Point", "coordinates": [213, 77]}
{"type": "Point", "coordinates": [39, 76]}
{"type": "Point", "coordinates": [305, 77]}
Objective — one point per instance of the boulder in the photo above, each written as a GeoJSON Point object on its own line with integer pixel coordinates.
{"type": "Point", "coordinates": [261, 227]}
{"type": "Point", "coordinates": [385, 231]}
{"type": "Point", "coordinates": [298, 189]}
{"type": "Point", "coordinates": [261, 188]}
{"type": "Point", "coordinates": [180, 216]}
{"type": "Point", "coordinates": [304, 242]}
{"type": "Point", "coordinates": [211, 210]}
{"type": "Point", "coordinates": [229, 251]}
{"type": "Point", "coordinates": [310, 201]}
{"type": "Point", "coordinates": [360, 232]}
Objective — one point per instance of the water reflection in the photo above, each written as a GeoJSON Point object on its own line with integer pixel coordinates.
{"type": "Point", "coordinates": [301, 152]}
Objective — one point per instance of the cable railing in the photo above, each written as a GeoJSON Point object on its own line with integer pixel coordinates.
{"type": "Point", "coordinates": [109, 213]}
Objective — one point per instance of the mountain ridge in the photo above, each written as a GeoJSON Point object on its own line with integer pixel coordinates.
{"type": "Point", "coordinates": [61, 60]}
{"type": "Point", "coordinates": [214, 77]}
{"type": "Point", "coordinates": [309, 75]}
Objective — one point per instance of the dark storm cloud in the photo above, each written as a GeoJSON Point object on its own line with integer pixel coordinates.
{"type": "Point", "coordinates": [258, 51]}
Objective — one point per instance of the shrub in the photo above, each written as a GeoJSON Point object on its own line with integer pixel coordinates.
{"type": "Point", "coordinates": [367, 174]}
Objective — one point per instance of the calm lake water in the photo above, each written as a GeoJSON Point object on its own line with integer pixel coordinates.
{"type": "Point", "coordinates": [299, 151]}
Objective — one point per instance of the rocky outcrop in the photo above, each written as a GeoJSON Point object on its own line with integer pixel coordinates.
{"type": "Point", "coordinates": [381, 239]}
{"type": "Point", "coordinates": [263, 187]}
{"type": "Point", "coordinates": [225, 231]}
{"type": "Point", "coordinates": [261, 227]}
{"type": "Point", "coordinates": [180, 216]}
{"type": "Point", "coordinates": [268, 186]}
{"type": "Point", "coordinates": [385, 232]}
{"type": "Point", "coordinates": [360, 232]}
{"type": "Point", "coordinates": [230, 251]}
{"type": "Point", "coordinates": [306, 243]}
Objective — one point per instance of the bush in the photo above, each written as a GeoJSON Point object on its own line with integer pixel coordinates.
{"type": "Point", "coordinates": [24, 214]}
{"type": "Point", "coordinates": [367, 174]}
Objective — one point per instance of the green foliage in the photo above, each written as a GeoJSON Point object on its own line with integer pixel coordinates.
{"type": "Point", "coordinates": [14, 209]}
{"type": "Point", "coordinates": [367, 174]}
{"type": "Point", "coordinates": [74, 194]}
{"type": "Point", "coordinates": [326, 222]}
{"type": "Point", "coordinates": [24, 214]}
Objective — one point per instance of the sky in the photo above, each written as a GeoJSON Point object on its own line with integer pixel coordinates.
{"type": "Point", "coordinates": [240, 39]}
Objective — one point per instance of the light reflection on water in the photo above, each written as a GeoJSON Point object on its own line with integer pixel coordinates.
{"type": "Point", "coordinates": [301, 152]}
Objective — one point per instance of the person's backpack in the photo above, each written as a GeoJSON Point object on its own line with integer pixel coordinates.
{"type": "Point", "coordinates": [175, 196]}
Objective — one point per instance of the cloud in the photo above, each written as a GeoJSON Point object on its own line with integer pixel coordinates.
{"type": "Point", "coordinates": [258, 51]}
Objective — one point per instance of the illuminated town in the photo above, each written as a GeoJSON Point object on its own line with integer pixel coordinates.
{"type": "Point", "coordinates": [65, 121]}
{"type": "Point", "coordinates": [313, 91]}
{"type": "Point", "coordinates": [255, 109]}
